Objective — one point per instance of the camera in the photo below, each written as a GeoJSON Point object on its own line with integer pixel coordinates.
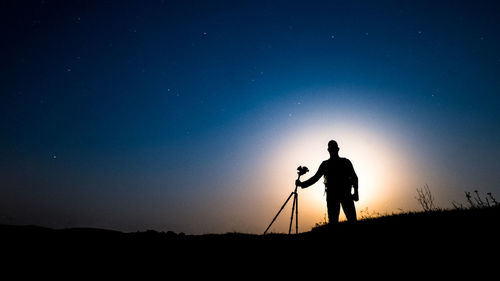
{"type": "Point", "coordinates": [302, 170]}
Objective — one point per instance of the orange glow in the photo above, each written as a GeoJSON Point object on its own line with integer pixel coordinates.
{"type": "Point", "coordinates": [378, 162]}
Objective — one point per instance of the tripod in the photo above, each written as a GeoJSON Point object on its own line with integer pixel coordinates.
{"type": "Point", "coordinates": [295, 206]}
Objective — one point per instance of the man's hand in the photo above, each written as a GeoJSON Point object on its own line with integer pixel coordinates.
{"type": "Point", "coordinates": [355, 196]}
{"type": "Point", "coordinates": [298, 183]}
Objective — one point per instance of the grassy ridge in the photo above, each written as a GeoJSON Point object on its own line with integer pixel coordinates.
{"type": "Point", "coordinates": [458, 222]}
{"type": "Point", "coordinates": [419, 241]}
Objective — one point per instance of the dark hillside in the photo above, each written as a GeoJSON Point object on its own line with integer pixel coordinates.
{"type": "Point", "coordinates": [455, 235]}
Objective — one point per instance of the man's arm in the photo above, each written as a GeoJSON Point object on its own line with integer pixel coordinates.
{"type": "Point", "coordinates": [312, 180]}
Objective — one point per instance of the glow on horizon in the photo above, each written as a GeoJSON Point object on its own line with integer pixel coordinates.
{"type": "Point", "coordinates": [375, 153]}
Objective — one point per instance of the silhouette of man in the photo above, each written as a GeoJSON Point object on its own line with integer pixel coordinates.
{"type": "Point", "coordinates": [339, 179]}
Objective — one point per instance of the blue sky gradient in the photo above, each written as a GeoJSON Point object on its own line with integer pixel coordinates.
{"type": "Point", "coordinates": [137, 115]}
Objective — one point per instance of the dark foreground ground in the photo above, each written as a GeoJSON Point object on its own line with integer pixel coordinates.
{"type": "Point", "coordinates": [456, 240]}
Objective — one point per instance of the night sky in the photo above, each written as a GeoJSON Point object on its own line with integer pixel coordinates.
{"type": "Point", "coordinates": [192, 116]}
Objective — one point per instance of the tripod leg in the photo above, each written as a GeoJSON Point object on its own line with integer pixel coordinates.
{"type": "Point", "coordinates": [296, 213]}
{"type": "Point", "coordinates": [290, 196]}
{"type": "Point", "coordinates": [293, 208]}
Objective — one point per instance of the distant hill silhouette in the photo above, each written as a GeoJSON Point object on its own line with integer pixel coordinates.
{"type": "Point", "coordinates": [481, 222]}
{"type": "Point", "coordinates": [460, 236]}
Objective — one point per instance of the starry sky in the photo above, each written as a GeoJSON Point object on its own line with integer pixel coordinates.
{"type": "Point", "coordinates": [192, 116]}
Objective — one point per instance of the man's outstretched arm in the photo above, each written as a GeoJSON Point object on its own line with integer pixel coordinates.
{"type": "Point", "coordinates": [312, 180]}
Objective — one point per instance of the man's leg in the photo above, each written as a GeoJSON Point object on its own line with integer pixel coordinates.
{"type": "Point", "coordinates": [349, 210]}
{"type": "Point", "coordinates": [333, 205]}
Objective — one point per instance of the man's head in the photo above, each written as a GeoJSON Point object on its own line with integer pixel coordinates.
{"type": "Point", "coordinates": [333, 147]}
